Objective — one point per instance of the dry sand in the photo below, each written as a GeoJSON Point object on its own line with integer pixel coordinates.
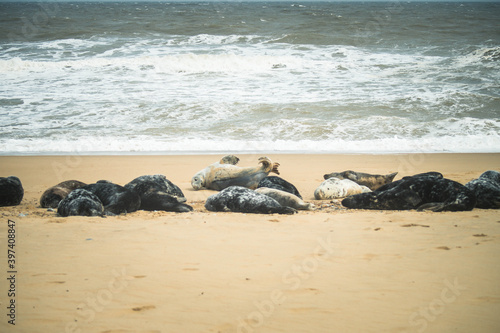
{"type": "Point", "coordinates": [331, 270]}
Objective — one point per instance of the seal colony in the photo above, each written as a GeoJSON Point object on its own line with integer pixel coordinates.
{"type": "Point", "coordinates": [257, 192]}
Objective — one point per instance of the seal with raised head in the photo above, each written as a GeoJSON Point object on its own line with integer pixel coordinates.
{"type": "Point", "coordinates": [115, 198]}
{"type": "Point", "coordinates": [427, 191]}
{"type": "Point", "coordinates": [335, 188]}
{"type": "Point", "coordinates": [159, 193]}
{"type": "Point", "coordinates": [225, 173]}
{"type": "Point", "coordinates": [244, 200]}
{"type": "Point", "coordinates": [285, 198]}
{"type": "Point", "coordinates": [487, 189]}
{"type": "Point", "coordinates": [279, 184]}
{"type": "Point", "coordinates": [11, 191]}
{"type": "Point", "coordinates": [53, 195]}
{"type": "Point", "coordinates": [80, 202]}
{"type": "Point", "coordinates": [371, 181]}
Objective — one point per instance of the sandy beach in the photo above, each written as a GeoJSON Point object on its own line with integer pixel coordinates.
{"type": "Point", "coordinates": [329, 270]}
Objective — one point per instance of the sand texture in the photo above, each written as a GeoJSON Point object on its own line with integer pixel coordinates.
{"type": "Point", "coordinates": [329, 270]}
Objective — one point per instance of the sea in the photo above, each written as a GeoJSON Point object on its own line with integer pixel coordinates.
{"type": "Point", "coordinates": [281, 77]}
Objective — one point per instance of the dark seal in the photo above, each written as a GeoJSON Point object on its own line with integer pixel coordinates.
{"type": "Point", "coordinates": [243, 200]}
{"type": "Point", "coordinates": [80, 202]}
{"type": "Point", "coordinates": [159, 193]}
{"type": "Point", "coordinates": [427, 191]}
{"type": "Point", "coordinates": [11, 191]}
{"type": "Point", "coordinates": [279, 183]}
{"type": "Point", "coordinates": [487, 189]}
{"type": "Point", "coordinates": [53, 195]}
{"type": "Point", "coordinates": [115, 198]}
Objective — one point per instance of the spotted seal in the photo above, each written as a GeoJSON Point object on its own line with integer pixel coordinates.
{"type": "Point", "coordinates": [53, 195]}
{"type": "Point", "coordinates": [244, 200]}
{"type": "Point", "coordinates": [158, 193]}
{"type": "Point", "coordinates": [80, 202]}
{"type": "Point", "coordinates": [11, 191]}
{"type": "Point", "coordinates": [225, 173]}
{"type": "Point", "coordinates": [427, 191]}
{"type": "Point", "coordinates": [487, 189]}
{"type": "Point", "coordinates": [115, 198]}
{"type": "Point", "coordinates": [285, 198]}
{"type": "Point", "coordinates": [371, 181]}
{"type": "Point", "coordinates": [335, 188]}
{"type": "Point", "coordinates": [279, 184]}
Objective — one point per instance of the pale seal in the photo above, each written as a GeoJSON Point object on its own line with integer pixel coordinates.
{"type": "Point", "coordinates": [80, 202]}
{"type": "Point", "coordinates": [279, 184]}
{"type": "Point", "coordinates": [226, 173]}
{"type": "Point", "coordinates": [116, 199]}
{"type": "Point", "coordinates": [285, 198]}
{"type": "Point", "coordinates": [371, 181]}
{"type": "Point", "coordinates": [53, 195]}
{"type": "Point", "coordinates": [427, 191]}
{"type": "Point", "coordinates": [11, 191]}
{"type": "Point", "coordinates": [159, 193]}
{"type": "Point", "coordinates": [243, 200]}
{"type": "Point", "coordinates": [335, 188]}
{"type": "Point", "coordinates": [487, 189]}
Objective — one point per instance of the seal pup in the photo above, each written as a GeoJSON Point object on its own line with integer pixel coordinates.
{"type": "Point", "coordinates": [158, 193]}
{"type": "Point", "coordinates": [335, 188]}
{"type": "Point", "coordinates": [285, 198]}
{"type": "Point", "coordinates": [371, 181]}
{"type": "Point", "coordinates": [53, 195]}
{"type": "Point", "coordinates": [487, 189]}
{"type": "Point", "coordinates": [11, 191]}
{"type": "Point", "coordinates": [244, 200]}
{"type": "Point", "coordinates": [80, 202]}
{"type": "Point", "coordinates": [225, 173]}
{"type": "Point", "coordinates": [427, 191]}
{"type": "Point", "coordinates": [116, 199]}
{"type": "Point", "coordinates": [279, 184]}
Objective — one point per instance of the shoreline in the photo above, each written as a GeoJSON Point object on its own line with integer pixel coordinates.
{"type": "Point", "coordinates": [332, 269]}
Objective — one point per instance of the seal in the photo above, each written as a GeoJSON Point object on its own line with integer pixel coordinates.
{"type": "Point", "coordinates": [285, 198]}
{"type": "Point", "coordinates": [427, 191]}
{"type": "Point", "coordinates": [11, 191]}
{"type": "Point", "coordinates": [225, 173]}
{"type": "Point", "coordinates": [158, 193]}
{"type": "Point", "coordinates": [80, 202]}
{"type": "Point", "coordinates": [244, 200]}
{"type": "Point", "coordinates": [487, 189]}
{"type": "Point", "coordinates": [115, 198]}
{"type": "Point", "coordinates": [53, 195]}
{"type": "Point", "coordinates": [335, 188]}
{"type": "Point", "coordinates": [279, 184]}
{"type": "Point", "coordinates": [371, 181]}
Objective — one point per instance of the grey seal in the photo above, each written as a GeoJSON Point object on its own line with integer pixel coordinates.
{"type": "Point", "coordinates": [334, 188]}
{"type": "Point", "coordinates": [285, 198]}
{"type": "Point", "coordinates": [427, 191]}
{"type": "Point", "coordinates": [11, 191]}
{"type": "Point", "coordinates": [279, 184]}
{"type": "Point", "coordinates": [115, 198]}
{"type": "Point", "coordinates": [53, 195]}
{"type": "Point", "coordinates": [243, 200]}
{"type": "Point", "coordinates": [487, 189]}
{"type": "Point", "coordinates": [80, 202]}
{"type": "Point", "coordinates": [371, 181]}
{"type": "Point", "coordinates": [225, 173]}
{"type": "Point", "coordinates": [158, 193]}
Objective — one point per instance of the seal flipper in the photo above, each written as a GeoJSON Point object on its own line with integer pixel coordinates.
{"type": "Point", "coordinates": [229, 159]}
{"type": "Point", "coordinates": [432, 207]}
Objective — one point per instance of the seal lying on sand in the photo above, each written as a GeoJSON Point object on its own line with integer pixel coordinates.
{"type": "Point", "coordinates": [335, 188]}
{"type": "Point", "coordinates": [243, 200]}
{"type": "Point", "coordinates": [225, 173]}
{"type": "Point", "coordinates": [80, 202]}
{"type": "Point", "coordinates": [487, 189]}
{"type": "Point", "coordinates": [159, 193]}
{"type": "Point", "coordinates": [11, 191]}
{"type": "Point", "coordinates": [427, 191]}
{"type": "Point", "coordinates": [285, 198]}
{"type": "Point", "coordinates": [116, 199]}
{"type": "Point", "coordinates": [279, 184]}
{"type": "Point", "coordinates": [53, 195]}
{"type": "Point", "coordinates": [371, 181]}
